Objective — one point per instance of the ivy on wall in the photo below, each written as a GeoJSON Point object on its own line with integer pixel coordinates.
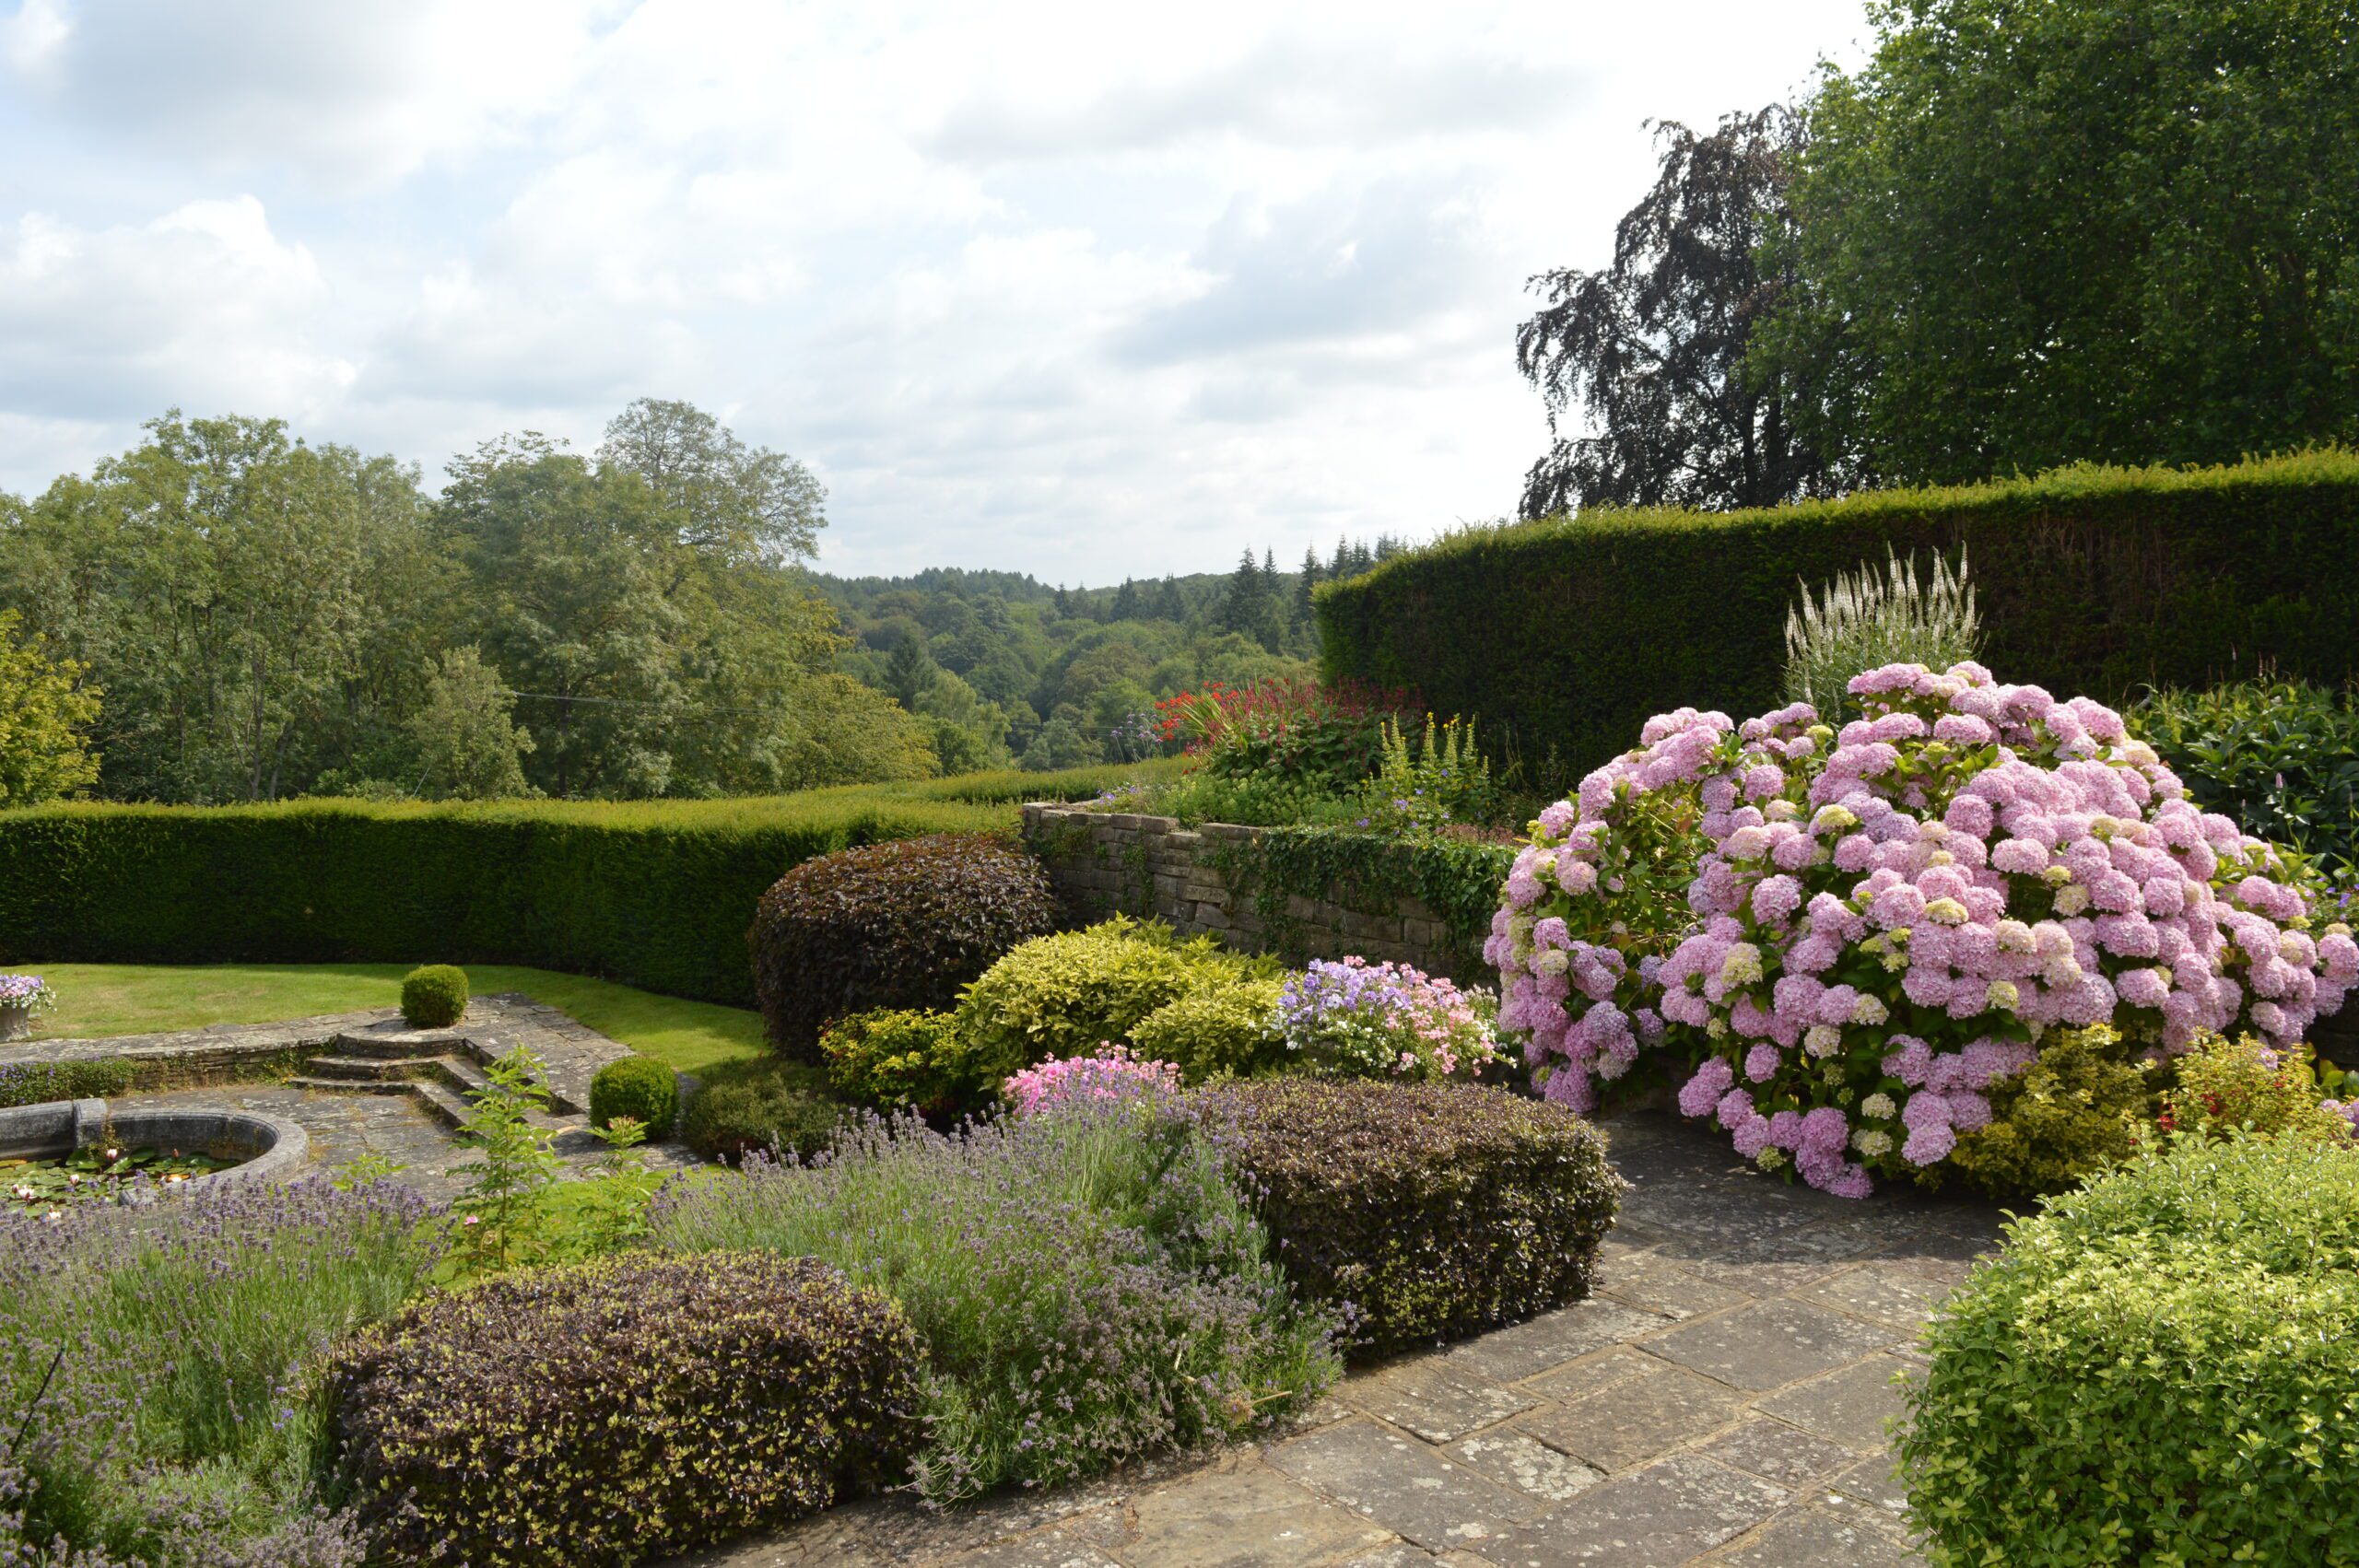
{"type": "Point", "coordinates": [1459, 882]}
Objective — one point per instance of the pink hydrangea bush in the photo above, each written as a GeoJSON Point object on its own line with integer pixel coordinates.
{"type": "Point", "coordinates": [1881, 923]}
{"type": "Point", "coordinates": [1115, 1074]}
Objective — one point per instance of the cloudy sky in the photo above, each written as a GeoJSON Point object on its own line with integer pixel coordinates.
{"type": "Point", "coordinates": [1048, 288]}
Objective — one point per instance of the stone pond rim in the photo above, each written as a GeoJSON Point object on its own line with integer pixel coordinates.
{"type": "Point", "coordinates": [267, 1147]}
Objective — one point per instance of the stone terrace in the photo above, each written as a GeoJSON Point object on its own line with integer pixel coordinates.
{"type": "Point", "coordinates": [1720, 1400]}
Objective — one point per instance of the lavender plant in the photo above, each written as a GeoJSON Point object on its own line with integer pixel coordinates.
{"type": "Point", "coordinates": [1088, 1286]}
{"type": "Point", "coordinates": [157, 1376]}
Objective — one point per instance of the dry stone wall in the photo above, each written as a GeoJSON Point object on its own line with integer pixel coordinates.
{"type": "Point", "coordinates": [1110, 862]}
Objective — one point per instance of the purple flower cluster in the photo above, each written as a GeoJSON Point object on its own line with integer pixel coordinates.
{"type": "Point", "coordinates": [26, 990]}
{"type": "Point", "coordinates": [1116, 1073]}
{"type": "Point", "coordinates": [1386, 1020]}
{"type": "Point", "coordinates": [1882, 921]}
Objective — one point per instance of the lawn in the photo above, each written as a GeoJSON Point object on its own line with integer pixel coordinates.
{"type": "Point", "coordinates": [137, 999]}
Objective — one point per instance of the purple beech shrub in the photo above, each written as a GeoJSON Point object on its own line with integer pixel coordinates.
{"type": "Point", "coordinates": [1878, 924]}
{"type": "Point", "coordinates": [614, 1410]}
{"type": "Point", "coordinates": [1087, 1287]}
{"type": "Point", "coordinates": [1116, 1073]}
{"type": "Point", "coordinates": [161, 1365]}
{"type": "Point", "coordinates": [1356, 1018]}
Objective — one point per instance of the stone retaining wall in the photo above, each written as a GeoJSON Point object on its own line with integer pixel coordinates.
{"type": "Point", "coordinates": [1108, 862]}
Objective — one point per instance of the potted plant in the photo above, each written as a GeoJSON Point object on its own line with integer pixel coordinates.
{"type": "Point", "coordinates": [23, 997]}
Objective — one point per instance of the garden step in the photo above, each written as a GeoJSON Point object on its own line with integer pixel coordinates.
{"type": "Point", "coordinates": [441, 1102]}
{"type": "Point", "coordinates": [395, 1043]}
{"type": "Point", "coordinates": [457, 1073]}
{"type": "Point", "coordinates": [360, 1069]}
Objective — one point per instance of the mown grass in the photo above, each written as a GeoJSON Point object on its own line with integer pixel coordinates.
{"type": "Point", "coordinates": [138, 998]}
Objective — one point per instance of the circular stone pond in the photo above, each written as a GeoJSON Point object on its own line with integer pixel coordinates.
{"type": "Point", "coordinates": [255, 1145]}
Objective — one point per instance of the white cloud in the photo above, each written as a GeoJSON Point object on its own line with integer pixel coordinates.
{"type": "Point", "coordinates": [1045, 286]}
{"type": "Point", "coordinates": [203, 301]}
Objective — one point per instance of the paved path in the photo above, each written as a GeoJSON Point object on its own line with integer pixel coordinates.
{"type": "Point", "coordinates": [1720, 1400]}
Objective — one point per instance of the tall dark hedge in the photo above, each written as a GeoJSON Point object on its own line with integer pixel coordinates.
{"type": "Point", "coordinates": [897, 925]}
{"type": "Point", "coordinates": [657, 894]}
{"type": "Point", "coordinates": [1565, 636]}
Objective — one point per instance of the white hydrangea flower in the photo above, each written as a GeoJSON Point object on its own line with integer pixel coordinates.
{"type": "Point", "coordinates": [1874, 1144]}
{"type": "Point", "coordinates": [1878, 1106]}
{"type": "Point", "coordinates": [1869, 1011]}
{"type": "Point", "coordinates": [1822, 1039]}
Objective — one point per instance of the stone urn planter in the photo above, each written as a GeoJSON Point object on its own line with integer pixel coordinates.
{"type": "Point", "coordinates": [16, 1021]}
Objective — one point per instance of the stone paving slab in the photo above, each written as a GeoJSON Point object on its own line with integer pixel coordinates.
{"type": "Point", "coordinates": [1722, 1400]}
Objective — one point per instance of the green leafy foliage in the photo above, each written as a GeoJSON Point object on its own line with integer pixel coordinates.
{"type": "Point", "coordinates": [1228, 1028]}
{"type": "Point", "coordinates": [1458, 879]}
{"type": "Point", "coordinates": [434, 996]}
{"type": "Point", "coordinates": [655, 893]}
{"type": "Point", "coordinates": [638, 1087]}
{"type": "Point", "coordinates": [1426, 786]}
{"type": "Point", "coordinates": [1317, 734]}
{"type": "Point", "coordinates": [620, 1410]}
{"type": "Point", "coordinates": [770, 1105]}
{"type": "Point", "coordinates": [1088, 1288]}
{"type": "Point", "coordinates": [901, 924]}
{"type": "Point", "coordinates": [1566, 634]}
{"type": "Point", "coordinates": [2280, 756]}
{"type": "Point", "coordinates": [2227, 1086]}
{"type": "Point", "coordinates": [901, 1059]}
{"type": "Point", "coordinates": [2081, 1107]}
{"type": "Point", "coordinates": [2156, 1369]}
{"type": "Point", "coordinates": [46, 711]}
{"type": "Point", "coordinates": [1436, 1209]}
{"type": "Point", "coordinates": [1863, 621]}
{"type": "Point", "coordinates": [2076, 231]}
{"type": "Point", "coordinates": [33, 1083]}
{"type": "Point", "coordinates": [1065, 995]}
{"type": "Point", "coordinates": [498, 1215]}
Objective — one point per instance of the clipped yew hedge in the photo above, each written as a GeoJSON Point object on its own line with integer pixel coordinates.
{"type": "Point", "coordinates": [654, 893]}
{"type": "Point", "coordinates": [1564, 636]}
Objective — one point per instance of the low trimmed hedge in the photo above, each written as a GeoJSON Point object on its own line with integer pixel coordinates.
{"type": "Point", "coordinates": [620, 1410]}
{"type": "Point", "coordinates": [1065, 995]}
{"type": "Point", "coordinates": [638, 1087]}
{"type": "Point", "coordinates": [1568, 634]}
{"type": "Point", "coordinates": [765, 1105]}
{"type": "Point", "coordinates": [653, 894]}
{"type": "Point", "coordinates": [1436, 1209]}
{"type": "Point", "coordinates": [434, 996]}
{"type": "Point", "coordinates": [37, 1082]}
{"type": "Point", "coordinates": [897, 925]}
{"type": "Point", "coordinates": [2158, 1368]}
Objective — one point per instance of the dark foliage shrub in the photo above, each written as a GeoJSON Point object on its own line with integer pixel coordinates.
{"type": "Point", "coordinates": [745, 1106]}
{"type": "Point", "coordinates": [1064, 995]}
{"type": "Point", "coordinates": [638, 1087]}
{"type": "Point", "coordinates": [2158, 1368]}
{"type": "Point", "coordinates": [903, 924]}
{"type": "Point", "coordinates": [2281, 757]}
{"type": "Point", "coordinates": [901, 1059]}
{"type": "Point", "coordinates": [613, 1410]}
{"type": "Point", "coordinates": [32, 1082]}
{"type": "Point", "coordinates": [434, 996]}
{"type": "Point", "coordinates": [649, 892]}
{"type": "Point", "coordinates": [1089, 1288]}
{"type": "Point", "coordinates": [1436, 1209]}
{"type": "Point", "coordinates": [2096, 581]}
{"type": "Point", "coordinates": [2076, 1111]}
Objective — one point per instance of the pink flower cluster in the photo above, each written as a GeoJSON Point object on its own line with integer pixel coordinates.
{"type": "Point", "coordinates": [1115, 1074]}
{"type": "Point", "coordinates": [1881, 923]}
